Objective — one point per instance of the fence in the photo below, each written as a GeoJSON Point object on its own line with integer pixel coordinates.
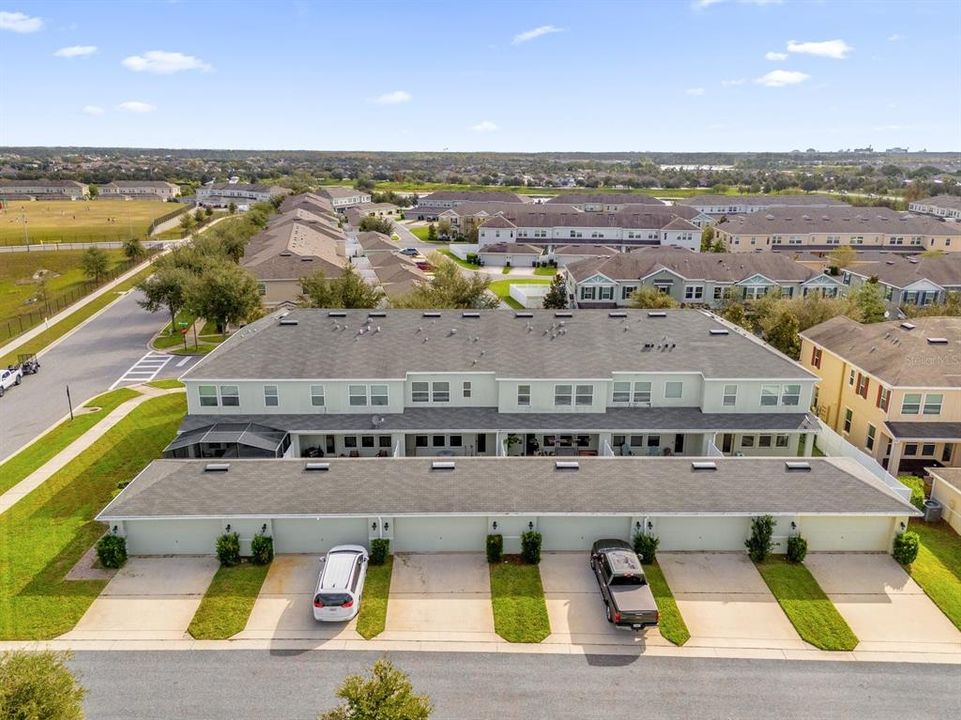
{"type": "Point", "coordinates": [11, 327]}
{"type": "Point", "coordinates": [833, 445]}
{"type": "Point", "coordinates": [184, 207]}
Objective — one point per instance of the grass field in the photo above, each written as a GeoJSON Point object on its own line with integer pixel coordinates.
{"type": "Point", "coordinates": [226, 605]}
{"type": "Point", "coordinates": [937, 568]}
{"type": "Point", "coordinates": [517, 599]}
{"type": "Point", "coordinates": [501, 288]}
{"type": "Point", "coordinates": [46, 533]}
{"type": "Point", "coordinates": [671, 624]}
{"type": "Point", "coordinates": [372, 618]}
{"type": "Point", "coordinates": [79, 221]}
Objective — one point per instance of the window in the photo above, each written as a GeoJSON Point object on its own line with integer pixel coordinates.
{"type": "Point", "coordinates": [208, 395]}
{"type": "Point", "coordinates": [851, 377]}
{"type": "Point", "coordinates": [230, 396]}
{"type": "Point", "coordinates": [584, 395]}
{"type": "Point", "coordinates": [350, 441]}
{"type": "Point", "coordinates": [769, 395]}
{"type": "Point", "coordinates": [622, 392]}
{"type": "Point", "coordinates": [524, 395]}
{"type": "Point", "coordinates": [367, 441]}
{"type": "Point", "coordinates": [607, 293]}
{"type": "Point", "coordinates": [816, 357]}
{"type": "Point", "coordinates": [562, 395]}
{"type": "Point", "coordinates": [869, 440]}
{"type": "Point", "coordinates": [420, 441]}
{"type": "Point", "coordinates": [627, 291]}
{"type": "Point", "coordinates": [911, 404]}
{"type": "Point", "coordinates": [440, 391]}
{"type": "Point", "coordinates": [673, 389]}
{"type": "Point", "coordinates": [884, 397]}
{"type": "Point", "coordinates": [932, 404]}
{"type": "Point", "coordinates": [693, 292]}
{"type": "Point", "coordinates": [587, 293]}
{"type": "Point", "coordinates": [911, 449]}
{"type": "Point", "coordinates": [455, 441]}
{"type": "Point", "coordinates": [730, 396]}
{"type": "Point", "coordinates": [438, 441]}
{"type": "Point", "coordinates": [848, 419]}
{"type": "Point", "coordinates": [357, 395]}
{"type": "Point", "coordinates": [642, 392]}
{"type": "Point", "coordinates": [378, 395]}
{"type": "Point", "coordinates": [317, 395]}
{"type": "Point", "coordinates": [782, 441]}
{"type": "Point", "coordinates": [764, 441]}
{"type": "Point", "coordinates": [927, 450]}
{"type": "Point", "coordinates": [467, 389]}
{"type": "Point", "coordinates": [718, 293]}
{"type": "Point", "coordinates": [654, 441]}
{"type": "Point", "coordinates": [419, 392]}
{"type": "Point", "coordinates": [270, 396]}
{"type": "Point", "coordinates": [747, 441]}
{"type": "Point", "coordinates": [383, 441]}
{"type": "Point", "coordinates": [862, 388]}
{"type": "Point", "coordinates": [791, 395]}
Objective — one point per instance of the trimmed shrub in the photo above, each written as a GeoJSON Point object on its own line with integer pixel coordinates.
{"type": "Point", "coordinates": [917, 489]}
{"type": "Point", "coordinates": [39, 685]}
{"type": "Point", "coordinates": [228, 549]}
{"type": "Point", "coordinates": [379, 550]}
{"type": "Point", "coordinates": [906, 546]}
{"type": "Point", "coordinates": [112, 551]}
{"type": "Point", "coordinates": [262, 549]}
{"type": "Point", "coordinates": [495, 548]}
{"type": "Point", "coordinates": [759, 545]}
{"type": "Point", "coordinates": [797, 549]}
{"type": "Point", "coordinates": [646, 547]}
{"type": "Point", "coordinates": [531, 547]}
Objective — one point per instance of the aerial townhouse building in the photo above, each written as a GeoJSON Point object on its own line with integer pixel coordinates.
{"type": "Point", "coordinates": [148, 189]}
{"type": "Point", "coordinates": [452, 198]}
{"type": "Point", "coordinates": [914, 280]}
{"type": "Point", "coordinates": [718, 205]}
{"type": "Point", "coordinates": [604, 202]}
{"type": "Point", "coordinates": [892, 389]}
{"type": "Point", "coordinates": [945, 206]}
{"type": "Point", "coordinates": [435, 428]}
{"type": "Point", "coordinates": [342, 197]}
{"type": "Point", "coordinates": [222, 194]}
{"type": "Point", "coordinates": [43, 189]}
{"type": "Point", "coordinates": [707, 279]}
{"type": "Point", "coordinates": [823, 229]}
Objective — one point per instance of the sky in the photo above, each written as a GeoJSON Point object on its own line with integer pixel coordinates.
{"type": "Point", "coordinates": [661, 75]}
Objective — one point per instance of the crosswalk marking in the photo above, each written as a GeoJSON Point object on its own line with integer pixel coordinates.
{"type": "Point", "coordinates": [145, 369]}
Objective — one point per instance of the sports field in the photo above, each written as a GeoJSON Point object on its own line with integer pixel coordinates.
{"type": "Point", "coordinates": [51, 221]}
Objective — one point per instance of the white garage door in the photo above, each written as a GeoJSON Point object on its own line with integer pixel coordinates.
{"type": "Point", "coordinates": [172, 537]}
{"type": "Point", "coordinates": [847, 534]}
{"type": "Point", "coordinates": [702, 533]}
{"type": "Point", "coordinates": [465, 534]}
{"type": "Point", "coordinates": [302, 535]}
{"type": "Point", "coordinates": [579, 533]}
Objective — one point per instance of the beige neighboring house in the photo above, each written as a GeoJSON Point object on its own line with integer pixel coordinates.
{"type": "Point", "coordinates": [44, 189]}
{"type": "Point", "coordinates": [394, 273]}
{"type": "Point", "coordinates": [825, 228]}
{"type": "Point", "coordinates": [717, 205]}
{"type": "Point", "coordinates": [342, 197]}
{"type": "Point", "coordinates": [453, 198]}
{"type": "Point", "coordinates": [222, 194]}
{"type": "Point", "coordinates": [140, 189]}
{"type": "Point", "coordinates": [946, 489]}
{"type": "Point", "coordinates": [893, 389]}
{"type": "Point", "coordinates": [946, 206]}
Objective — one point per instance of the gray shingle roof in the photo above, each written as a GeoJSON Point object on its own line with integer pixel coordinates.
{"type": "Point", "coordinates": [925, 430]}
{"type": "Point", "coordinates": [762, 201]}
{"type": "Point", "coordinates": [949, 202]}
{"type": "Point", "coordinates": [952, 476]}
{"type": "Point", "coordinates": [900, 271]}
{"type": "Point", "coordinates": [589, 344]}
{"type": "Point", "coordinates": [433, 198]}
{"type": "Point", "coordinates": [843, 220]}
{"type": "Point", "coordinates": [486, 486]}
{"type": "Point", "coordinates": [605, 199]}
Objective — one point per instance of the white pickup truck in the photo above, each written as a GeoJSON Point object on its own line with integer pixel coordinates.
{"type": "Point", "coordinates": [9, 377]}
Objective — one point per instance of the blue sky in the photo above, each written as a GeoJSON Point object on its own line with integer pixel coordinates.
{"type": "Point", "coordinates": [682, 75]}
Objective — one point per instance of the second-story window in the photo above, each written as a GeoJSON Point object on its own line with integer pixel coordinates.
{"type": "Point", "coordinates": [229, 396]}
{"type": "Point", "coordinates": [467, 389]}
{"type": "Point", "coordinates": [420, 392]}
{"type": "Point", "coordinates": [208, 395]}
{"type": "Point", "coordinates": [357, 395]}
{"type": "Point", "coordinates": [816, 357]}
{"type": "Point", "coordinates": [642, 392]}
{"type": "Point", "coordinates": [730, 396]}
{"type": "Point", "coordinates": [524, 395]}
{"type": "Point", "coordinates": [562, 395]}
{"type": "Point", "coordinates": [932, 403]}
{"type": "Point", "coordinates": [378, 395]}
{"type": "Point", "coordinates": [621, 393]}
{"type": "Point", "coordinates": [791, 395]}
{"type": "Point", "coordinates": [884, 397]}
{"type": "Point", "coordinates": [270, 396]}
{"type": "Point", "coordinates": [440, 391]}
{"type": "Point", "coordinates": [769, 395]}
{"type": "Point", "coordinates": [584, 395]}
{"type": "Point", "coordinates": [673, 390]}
{"type": "Point", "coordinates": [317, 395]}
{"type": "Point", "coordinates": [911, 405]}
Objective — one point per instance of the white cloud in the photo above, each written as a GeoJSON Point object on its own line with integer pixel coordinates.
{"type": "Point", "coordinates": [775, 56]}
{"type": "Point", "coordinates": [485, 126]}
{"type": "Point", "coordinates": [702, 4]}
{"type": "Point", "coordinates": [76, 51]}
{"type": "Point", "coordinates": [136, 106]}
{"type": "Point", "coordinates": [694, 91]}
{"type": "Point", "coordinates": [729, 83]}
{"type": "Point", "coordinates": [19, 23]}
{"type": "Point", "coordinates": [537, 32]}
{"type": "Point", "coordinates": [895, 37]}
{"type": "Point", "coordinates": [393, 98]}
{"type": "Point", "coordinates": [161, 62]}
{"type": "Point", "coordinates": [94, 110]}
{"type": "Point", "coordinates": [837, 49]}
{"type": "Point", "coordinates": [782, 78]}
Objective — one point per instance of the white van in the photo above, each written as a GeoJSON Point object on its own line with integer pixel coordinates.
{"type": "Point", "coordinates": [341, 583]}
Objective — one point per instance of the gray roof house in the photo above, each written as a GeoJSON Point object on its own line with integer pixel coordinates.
{"type": "Point", "coordinates": [909, 280]}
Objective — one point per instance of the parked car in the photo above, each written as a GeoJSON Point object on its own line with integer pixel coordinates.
{"type": "Point", "coordinates": [341, 583]}
{"type": "Point", "coordinates": [9, 377]}
{"type": "Point", "coordinates": [412, 252]}
{"type": "Point", "coordinates": [627, 596]}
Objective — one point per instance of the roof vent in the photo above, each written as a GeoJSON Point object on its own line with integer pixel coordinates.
{"type": "Point", "coordinates": [937, 341]}
{"type": "Point", "coordinates": [442, 465]}
{"type": "Point", "coordinates": [430, 314]}
{"type": "Point", "coordinates": [564, 314]}
{"type": "Point", "coordinates": [317, 467]}
{"type": "Point", "coordinates": [703, 465]}
{"type": "Point", "coordinates": [376, 313]}
{"type": "Point", "coordinates": [908, 326]}
{"type": "Point", "coordinates": [657, 313]}
{"type": "Point", "coordinates": [216, 467]}
{"type": "Point", "coordinates": [336, 313]}
{"type": "Point", "coordinates": [287, 321]}
{"type": "Point", "coordinates": [720, 331]}
{"type": "Point", "coordinates": [617, 314]}
{"type": "Point", "coordinates": [523, 315]}
{"type": "Point", "coordinates": [566, 465]}
{"type": "Point", "coordinates": [797, 465]}
{"type": "Point", "coordinates": [470, 314]}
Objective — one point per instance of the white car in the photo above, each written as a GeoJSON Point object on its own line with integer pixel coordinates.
{"type": "Point", "coordinates": [341, 583]}
{"type": "Point", "coordinates": [9, 377]}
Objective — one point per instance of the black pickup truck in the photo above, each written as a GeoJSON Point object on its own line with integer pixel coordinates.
{"type": "Point", "coordinates": [627, 596]}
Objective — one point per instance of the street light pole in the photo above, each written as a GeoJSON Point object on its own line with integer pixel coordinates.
{"type": "Point", "coordinates": [69, 402]}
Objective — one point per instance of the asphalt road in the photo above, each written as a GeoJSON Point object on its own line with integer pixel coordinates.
{"type": "Point", "coordinates": [90, 360]}
{"type": "Point", "coordinates": [234, 685]}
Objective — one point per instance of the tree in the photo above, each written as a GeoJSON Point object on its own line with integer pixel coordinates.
{"type": "Point", "coordinates": [94, 191]}
{"type": "Point", "coordinates": [735, 313]}
{"type": "Point", "coordinates": [208, 212]}
{"type": "Point", "coordinates": [450, 288]}
{"type": "Point", "coordinates": [186, 224]}
{"type": "Point", "coordinates": [35, 685]}
{"type": "Point", "coordinates": [431, 233]}
{"type": "Point", "coordinates": [443, 229]}
{"type": "Point", "coordinates": [781, 330]}
{"type": "Point", "coordinates": [95, 264]}
{"type": "Point", "coordinates": [376, 224]}
{"type": "Point", "coordinates": [842, 256]}
{"type": "Point", "coordinates": [347, 291]}
{"type": "Point", "coordinates": [556, 297]}
{"type": "Point", "coordinates": [387, 694]}
{"type": "Point", "coordinates": [652, 298]}
{"type": "Point", "coordinates": [133, 249]}
{"type": "Point", "coordinates": [224, 293]}
{"type": "Point", "coordinates": [232, 207]}
{"type": "Point", "coordinates": [365, 183]}
{"type": "Point", "coordinates": [707, 239]}
{"type": "Point", "coordinates": [869, 299]}
{"type": "Point", "coordinates": [951, 307]}
{"type": "Point", "coordinates": [165, 289]}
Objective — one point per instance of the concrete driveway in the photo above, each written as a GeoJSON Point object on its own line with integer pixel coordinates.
{"type": "Point", "coordinates": [284, 608]}
{"type": "Point", "coordinates": [148, 599]}
{"type": "Point", "coordinates": [440, 597]}
{"type": "Point", "coordinates": [886, 609]}
{"type": "Point", "coordinates": [726, 603]}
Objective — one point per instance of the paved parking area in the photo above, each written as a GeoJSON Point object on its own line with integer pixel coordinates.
{"type": "Point", "coordinates": [284, 608]}
{"type": "Point", "coordinates": [440, 597]}
{"type": "Point", "coordinates": [886, 609]}
{"type": "Point", "coordinates": [726, 603]}
{"type": "Point", "coordinates": [149, 598]}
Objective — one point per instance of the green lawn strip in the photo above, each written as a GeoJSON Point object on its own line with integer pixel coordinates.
{"type": "Point", "coordinates": [57, 331]}
{"type": "Point", "coordinates": [517, 598]}
{"type": "Point", "coordinates": [168, 384]}
{"type": "Point", "coordinates": [937, 569]}
{"type": "Point", "coordinates": [373, 605]}
{"type": "Point", "coordinates": [42, 450]}
{"type": "Point", "coordinates": [917, 489]}
{"type": "Point", "coordinates": [810, 611]}
{"type": "Point", "coordinates": [671, 624]}
{"type": "Point", "coordinates": [226, 605]}
{"type": "Point", "coordinates": [420, 233]}
{"type": "Point", "coordinates": [463, 263]}
{"type": "Point", "coordinates": [501, 288]}
{"type": "Point", "coordinates": [549, 271]}
{"type": "Point", "coordinates": [47, 532]}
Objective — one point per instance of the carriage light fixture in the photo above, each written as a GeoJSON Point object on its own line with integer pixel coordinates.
{"type": "Point", "coordinates": [530, 525]}
{"type": "Point", "coordinates": [494, 525]}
